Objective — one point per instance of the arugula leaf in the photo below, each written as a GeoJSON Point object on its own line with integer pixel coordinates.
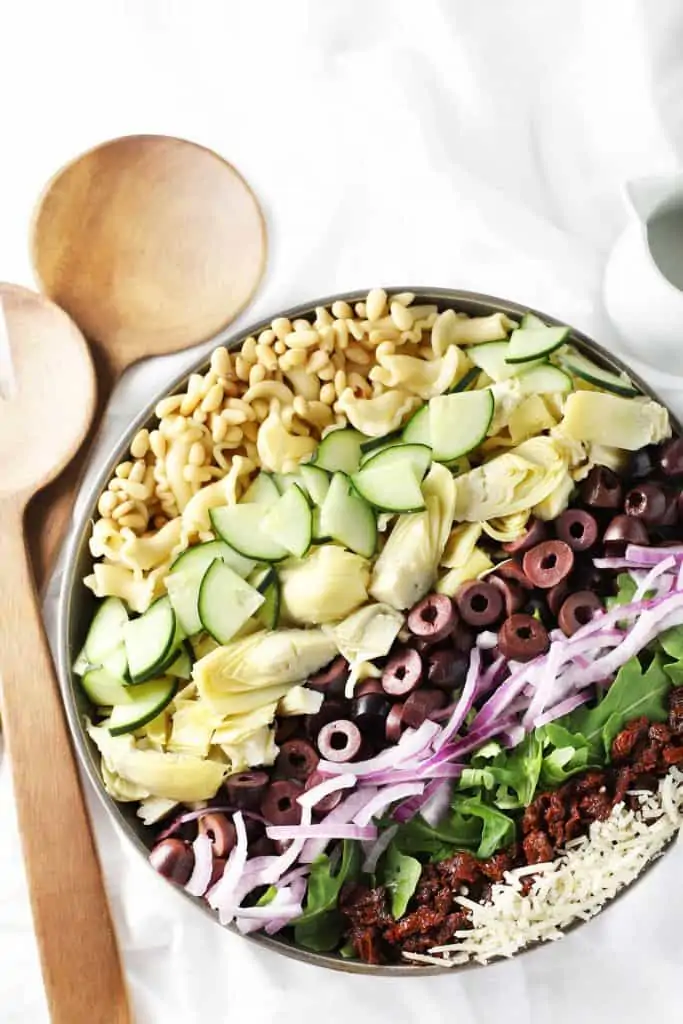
{"type": "Point", "coordinates": [319, 927]}
{"type": "Point", "coordinates": [348, 951]}
{"type": "Point", "coordinates": [497, 828]}
{"type": "Point", "coordinates": [565, 753]}
{"type": "Point", "coordinates": [516, 772]}
{"type": "Point", "coordinates": [627, 587]}
{"type": "Point", "coordinates": [451, 834]}
{"type": "Point", "coordinates": [671, 641]}
{"type": "Point", "coordinates": [674, 670]}
{"type": "Point", "coordinates": [632, 694]}
{"type": "Point", "coordinates": [267, 897]}
{"type": "Point", "coordinates": [401, 875]}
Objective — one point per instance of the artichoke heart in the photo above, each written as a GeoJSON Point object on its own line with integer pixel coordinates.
{"type": "Point", "coordinates": [628, 423]}
{"type": "Point", "coordinates": [408, 565]}
{"type": "Point", "coordinates": [326, 586]}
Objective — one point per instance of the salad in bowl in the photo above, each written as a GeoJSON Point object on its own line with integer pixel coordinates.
{"type": "Point", "coordinates": [387, 654]}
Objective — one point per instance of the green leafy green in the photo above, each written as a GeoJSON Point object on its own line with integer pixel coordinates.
{"type": "Point", "coordinates": [320, 925]}
{"type": "Point", "coordinates": [671, 642]}
{"type": "Point", "coordinates": [674, 670]}
{"type": "Point", "coordinates": [516, 772]}
{"type": "Point", "coordinates": [498, 829]}
{"type": "Point", "coordinates": [565, 754]}
{"type": "Point", "coordinates": [348, 951]}
{"type": "Point", "coordinates": [401, 875]}
{"type": "Point", "coordinates": [632, 694]}
{"type": "Point", "coordinates": [627, 587]}
{"type": "Point", "coordinates": [452, 833]}
{"type": "Point", "coordinates": [267, 897]}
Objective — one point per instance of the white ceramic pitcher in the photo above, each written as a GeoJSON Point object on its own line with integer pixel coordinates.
{"type": "Point", "coordinates": [643, 284]}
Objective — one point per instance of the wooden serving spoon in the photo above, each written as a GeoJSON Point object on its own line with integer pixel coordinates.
{"type": "Point", "coordinates": [47, 398]}
{"type": "Point", "coordinates": [152, 244]}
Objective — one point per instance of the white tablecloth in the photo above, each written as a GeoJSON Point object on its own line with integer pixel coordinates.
{"type": "Point", "coordinates": [476, 145]}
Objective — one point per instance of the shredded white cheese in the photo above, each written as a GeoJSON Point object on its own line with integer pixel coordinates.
{"type": "Point", "coordinates": [576, 886]}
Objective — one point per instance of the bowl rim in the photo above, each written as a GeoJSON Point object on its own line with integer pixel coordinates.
{"type": "Point", "coordinates": [472, 302]}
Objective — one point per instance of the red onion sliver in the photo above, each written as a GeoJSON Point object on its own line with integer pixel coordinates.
{"type": "Point", "coordinates": [438, 798]}
{"type": "Point", "coordinates": [466, 701]}
{"type": "Point", "coordinates": [650, 556]}
{"type": "Point", "coordinates": [657, 570]}
{"type": "Point", "coordinates": [412, 743]}
{"type": "Point", "coordinates": [199, 880]}
{"type": "Point", "coordinates": [387, 796]}
{"type": "Point", "coordinates": [317, 793]}
{"type": "Point", "coordinates": [563, 708]}
{"type": "Point", "coordinates": [342, 814]}
{"type": "Point", "coordinates": [322, 831]}
{"type": "Point", "coordinates": [222, 896]}
{"type": "Point", "coordinates": [382, 842]}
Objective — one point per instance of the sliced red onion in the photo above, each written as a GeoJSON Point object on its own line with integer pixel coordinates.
{"type": "Point", "coordinates": [491, 676]}
{"type": "Point", "coordinates": [283, 908]}
{"type": "Point", "coordinates": [376, 850]}
{"type": "Point", "coordinates": [474, 739]}
{"type": "Point", "coordinates": [317, 793]}
{"type": "Point", "coordinates": [679, 578]}
{"type": "Point", "coordinates": [655, 572]}
{"type": "Point", "coordinates": [563, 708]}
{"type": "Point", "coordinates": [412, 743]}
{"type": "Point", "coordinates": [417, 773]}
{"type": "Point", "coordinates": [469, 692]}
{"type": "Point", "coordinates": [322, 831]}
{"type": "Point", "coordinates": [183, 819]}
{"type": "Point", "coordinates": [438, 798]}
{"type": "Point", "coordinates": [620, 563]}
{"type": "Point", "coordinates": [222, 896]}
{"type": "Point", "coordinates": [513, 736]}
{"type": "Point", "coordinates": [386, 796]}
{"type": "Point", "coordinates": [294, 875]}
{"type": "Point", "coordinates": [297, 893]}
{"type": "Point", "coordinates": [199, 880]}
{"type": "Point", "coordinates": [343, 814]}
{"type": "Point", "coordinates": [650, 556]}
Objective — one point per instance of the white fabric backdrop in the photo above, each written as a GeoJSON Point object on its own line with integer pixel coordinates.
{"type": "Point", "coordinates": [477, 145]}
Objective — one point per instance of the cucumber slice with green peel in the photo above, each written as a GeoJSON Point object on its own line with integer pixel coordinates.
{"type": "Point", "coordinates": [261, 491]}
{"type": "Point", "coordinates": [150, 640]}
{"type": "Point", "coordinates": [103, 689]}
{"type": "Point", "coordinates": [286, 480]}
{"type": "Point", "coordinates": [458, 423]}
{"type": "Point", "coordinates": [198, 559]}
{"type": "Point", "coordinates": [381, 448]}
{"type": "Point", "coordinates": [416, 430]}
{"type": "Point", "coordinates": [372, 444]}
{"type": "Point", "coordinates": [106, 630]}
{"type": "Point", "coordinates": [535, 343]}
{"type": "Point", "coordinates": [145, 703]}
{"type": "Point", "coordinates": [116, 662]}
{"type": "Point", "coordinates": [339, 451]}
{"type": "Point", "coordinates": [226, 602]}
{"type": "Point", "coordinates": [239, 527]}
{"type": "Point", "coordinates": [183, 591]}
{"type": "Point", "coordinates": [391, 480]}
{"type": "Point", "coordinates": [181, 668]}
{"type": "Point", "coordinates": [267, 583]}
{"type": "Point", "coordinates": [81, 665]}
{"type": "Point", "coordinates": [531, 322]}
{"type": "Point", "coordinates": [316, 481]}
{"type": "Point", "coordinates": [348, 518]}
{"type": "Point", "coordinates": [289, 522]}
{"type": "Point", "coordinates": [545, 379]}
{"type": "Point", "coordinates": [318, 534]}
{"type": "Point", "coordinates": [400, 456]}
{"type": "Point", "coordinates": [585, 368]}
{"type": "Point", "coordinates": [491, 357]}
{"type": "Point", "coordinates": [465, 381]}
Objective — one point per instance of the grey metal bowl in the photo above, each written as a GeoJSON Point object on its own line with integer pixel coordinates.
{"type": "Point", "coordinates": [76, 602]}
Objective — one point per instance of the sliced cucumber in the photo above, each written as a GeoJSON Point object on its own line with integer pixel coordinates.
{"type": "Point", "coordinates": [226, 602]}
{"type": "Point", "coordinates": [106, 630]}
{"type": "Point", "coordinates": [103, 689]}
{"type": "Point", "coordinates": [535, 343]}
{"type": "Point", "coordinates": [183, 591]}
{"type": "Point", "coordinates": [199, 558]}
{"type": "Point", "coordinates": [238, 526]}
{"type": "Point", "coordinates": [286, 480]}
{"type": "Point", "coordinates": [261, 491]}
{"type": "Point", "coordinates": [144, 703]}
{"type": "Point", "coordinates": [585, 368]}
{"type": "Point", "coordinates": [391, 479]}
{"type": "Point", "coordinates": [318, 534]}
{"type": "Point", "coordinates": [416, 430]}
{"type": "Point", "coordinates": [181, 668]}
{"type": "Point", "coordinates": [150, 640]}
{"type": "Point", "coordinates": [544, 379]}
{"type": "Point", "coordinates": [316, 481]}
{"type": "Point", "coordinates": [381, 448]}
{"type": "Point", "coordinates": [464, 382]}
{"type": "Point", "coordinates": [492, 358]}
{"type": "Point", "coordinates": [372, 444]}
{"type": "Point", "coordinates": [339, 451]}
{"type": "Point", "coordinates": [348, 518]}
{"type": "Point", "coordinates": [531, 322]}
{"type": "Point", "coordinates": [116, 662]}
{"type": "Point", "coordinates": [458, 423]}
{"type": "Point", "coordinates": [81, 665]}
{"type": "Point", "coordinates": [289, 522]}
{"type": "Point", "coordinates": [267, 583]}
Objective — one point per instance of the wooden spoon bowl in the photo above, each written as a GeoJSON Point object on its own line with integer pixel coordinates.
{"type": "Point", "coordinates": [152, 244]}
{"type": "Point", "coordinates": [47, 397]}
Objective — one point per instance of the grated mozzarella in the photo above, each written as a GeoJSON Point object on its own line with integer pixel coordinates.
{"type": "Point", "coordinates": [576, 886]}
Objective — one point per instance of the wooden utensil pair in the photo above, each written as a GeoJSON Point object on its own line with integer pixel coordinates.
{"type": "Point", "coordinates": [151, 244]}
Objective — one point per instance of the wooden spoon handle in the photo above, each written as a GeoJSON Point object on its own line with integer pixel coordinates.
{"type": "Point", "coordinates": [80, 960]}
